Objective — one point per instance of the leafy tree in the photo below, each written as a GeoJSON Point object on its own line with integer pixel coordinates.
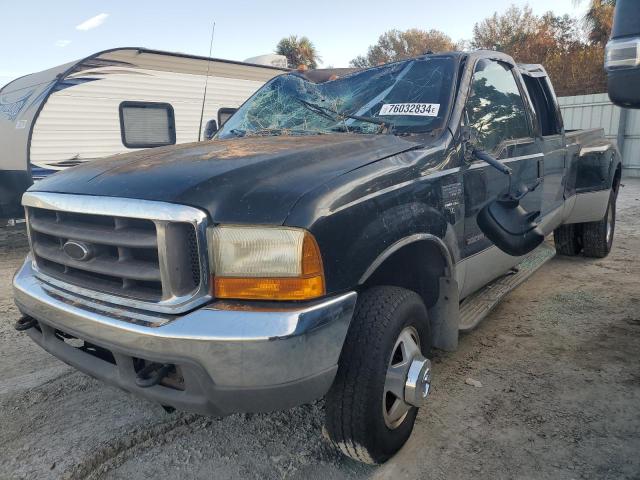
{"type": "Point", "coordinates": [557, 42]}
{"type": "Point", "coordinates": [299, 51]}
{"type": "Point", "coordinates": [504, 32]}
{"type": "Point", "coordinates": [599, 20]}
{"type": "Point", "coordinates": [397, 45]}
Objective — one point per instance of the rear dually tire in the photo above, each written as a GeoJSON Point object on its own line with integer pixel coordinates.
{"type": "Point", "coordinates": [597, 237]}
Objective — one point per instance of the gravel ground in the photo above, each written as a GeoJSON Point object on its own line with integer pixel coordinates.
{"type": "Point", "coordinates": [558, 360]}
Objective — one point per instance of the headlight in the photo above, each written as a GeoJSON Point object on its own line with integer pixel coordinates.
{"type": "Point", "coordinates": [265, 263]}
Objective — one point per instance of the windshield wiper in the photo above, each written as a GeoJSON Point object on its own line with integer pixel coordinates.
{"type": "Point", "coordinates": [319, 109]}
{"type": "Point", "coordinates": [327, 113]}
{"type": "Point", "coordinates": [236, 132]}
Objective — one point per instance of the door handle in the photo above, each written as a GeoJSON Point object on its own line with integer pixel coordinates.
{"type": "Point", "coordinates": [541, 168]}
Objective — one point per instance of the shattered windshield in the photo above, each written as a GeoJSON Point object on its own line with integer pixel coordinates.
{"type": "Point", "coordinates": [400, 98]}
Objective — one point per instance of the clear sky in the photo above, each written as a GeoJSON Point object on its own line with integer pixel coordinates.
{"type": "Point", "coordinates": [38, 34]}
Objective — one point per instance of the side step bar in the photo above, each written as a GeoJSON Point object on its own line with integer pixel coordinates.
{"type": "Point", "coordinates": [478, 305]}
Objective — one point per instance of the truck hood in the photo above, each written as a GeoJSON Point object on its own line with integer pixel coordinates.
{"type": "Point", "coordinates": [241, 180]}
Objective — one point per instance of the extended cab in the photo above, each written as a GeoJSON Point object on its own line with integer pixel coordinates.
{"type": "Point", "coordinates": [333, 231]}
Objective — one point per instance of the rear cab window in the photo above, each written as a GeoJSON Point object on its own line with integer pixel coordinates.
{"type": "Point", "coordinates": [544, 105]}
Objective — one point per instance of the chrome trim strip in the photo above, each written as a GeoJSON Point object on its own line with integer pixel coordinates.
{"type": "Point", "coordinates": [158, 212]}
{"type": "Point", "coordinates": [105, 308]}
{"type": "Point", "coordinates": [480, 163]}
{"type": "Point", "coordinates": [113, 206]}
{"type": "Point", "coordinates": [163, 260]}
{"type": "Point", "coordinates": [440, 173]}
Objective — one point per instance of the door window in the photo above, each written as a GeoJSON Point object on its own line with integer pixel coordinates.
{"type": "Point", "coordinates": [495, 109]}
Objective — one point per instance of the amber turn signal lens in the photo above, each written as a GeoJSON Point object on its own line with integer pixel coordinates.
{"type": "Point", "coordinates": [308, 285]}
{"type": "Point", "coordinates": [269, 288]}
{"type": "Point", "coordinates": [311, 259]}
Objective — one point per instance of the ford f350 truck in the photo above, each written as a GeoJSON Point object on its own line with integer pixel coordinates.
{"type": "Point", "coordinates": [332, 232]}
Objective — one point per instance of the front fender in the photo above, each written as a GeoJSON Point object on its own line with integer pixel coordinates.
{"type": "Point", "coordinates": [443, 245]}
{"type": "Point", "coordinates": [360, 215]}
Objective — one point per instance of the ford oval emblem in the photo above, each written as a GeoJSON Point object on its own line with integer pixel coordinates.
{"type": "Point", "coordinates": [77, 250]}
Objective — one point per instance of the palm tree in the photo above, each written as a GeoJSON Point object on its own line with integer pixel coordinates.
{"type": "Point", "coordinates": [599, 19]}
{"type": "Point", "coordinates": [299, 51]}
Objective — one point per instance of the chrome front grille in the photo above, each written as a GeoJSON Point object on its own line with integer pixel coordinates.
{"type": "Point", "coordinates": [139, 253]}
{"type": "Point", "coordinates": [124, 252]}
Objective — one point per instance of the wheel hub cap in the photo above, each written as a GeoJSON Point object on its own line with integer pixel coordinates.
{"type": "Point", "coordinates": [408, 379]}
{"type": "Point", "coordinates": [418, 384]}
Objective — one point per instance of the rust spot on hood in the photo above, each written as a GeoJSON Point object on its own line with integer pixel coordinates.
{"type": "Point", "coordinates": [250, 146]}
{"type": "Point", "coordinates": [227, 149]}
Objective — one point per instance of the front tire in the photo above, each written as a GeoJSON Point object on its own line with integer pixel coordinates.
{"type": "Point", "coordinates": [367, 417]}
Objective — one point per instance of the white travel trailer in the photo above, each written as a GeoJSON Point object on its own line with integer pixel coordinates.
{"type": "Point", "coordinates": [112, 102]}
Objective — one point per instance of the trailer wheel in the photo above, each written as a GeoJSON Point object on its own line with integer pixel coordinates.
{"type": "Point", "coordinates": [567, 240]}
{"type": "Point", "coordinates": [383, 375]}
{"type": "Point", "coordinates": [597, 237]}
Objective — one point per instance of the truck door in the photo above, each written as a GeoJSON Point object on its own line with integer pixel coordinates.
{"type": "Point", "coordinates": [496, 113]}
{"type": "Point", "coordinates": [550, 136]}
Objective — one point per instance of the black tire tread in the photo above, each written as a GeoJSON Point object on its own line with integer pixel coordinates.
{"type": "Point", "coordinates": [345, 419]}
{"type": "Point", "coordinates": [567, 240]}
{"type": "Point", "coordinates": [594, 240]}
{"type": "Point", "coordinates": [594, 234]}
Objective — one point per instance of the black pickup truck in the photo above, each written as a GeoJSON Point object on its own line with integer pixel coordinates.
{"type": "Point", "coordinates": [334, 230]}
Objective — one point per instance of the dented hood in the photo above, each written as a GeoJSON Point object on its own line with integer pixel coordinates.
{"type": "Point", "coordinates": [242, 180]}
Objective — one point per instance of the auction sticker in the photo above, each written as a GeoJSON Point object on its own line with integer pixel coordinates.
{"type": "Point", "coordinates": [420, 109]}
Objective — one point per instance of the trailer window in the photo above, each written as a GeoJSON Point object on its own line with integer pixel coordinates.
{"type": "Point", "coordinates": [147, 124]}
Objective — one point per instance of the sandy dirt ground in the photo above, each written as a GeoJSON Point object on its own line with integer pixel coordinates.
{"type": "Point", "coordinates": [559, 363]}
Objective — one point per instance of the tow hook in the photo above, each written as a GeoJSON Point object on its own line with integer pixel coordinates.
{"type": "Point", "coordinates": [418, 384]}
{"type": "Point", "coordinates": [152, 374]}
{"type": "Point", "coordinates": [25, 323]}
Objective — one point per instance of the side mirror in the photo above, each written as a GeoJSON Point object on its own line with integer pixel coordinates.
{"type": "Point", "coordinates": [622, 57]}
{"type": "Point", "coordinates": [225, 114]}
{"type": "Point", "coordinates": [210, 129]}
{"type": "Point", "coordinates": [503, 220]}
{"type": "Point", "coordinates": [622, 63]}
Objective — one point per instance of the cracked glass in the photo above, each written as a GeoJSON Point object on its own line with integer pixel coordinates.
{"type": "Point", "coordinates": [291, 104]}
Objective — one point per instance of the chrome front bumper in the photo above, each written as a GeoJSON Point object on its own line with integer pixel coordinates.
{"type": "Point", "coordinates": [235, 357]}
